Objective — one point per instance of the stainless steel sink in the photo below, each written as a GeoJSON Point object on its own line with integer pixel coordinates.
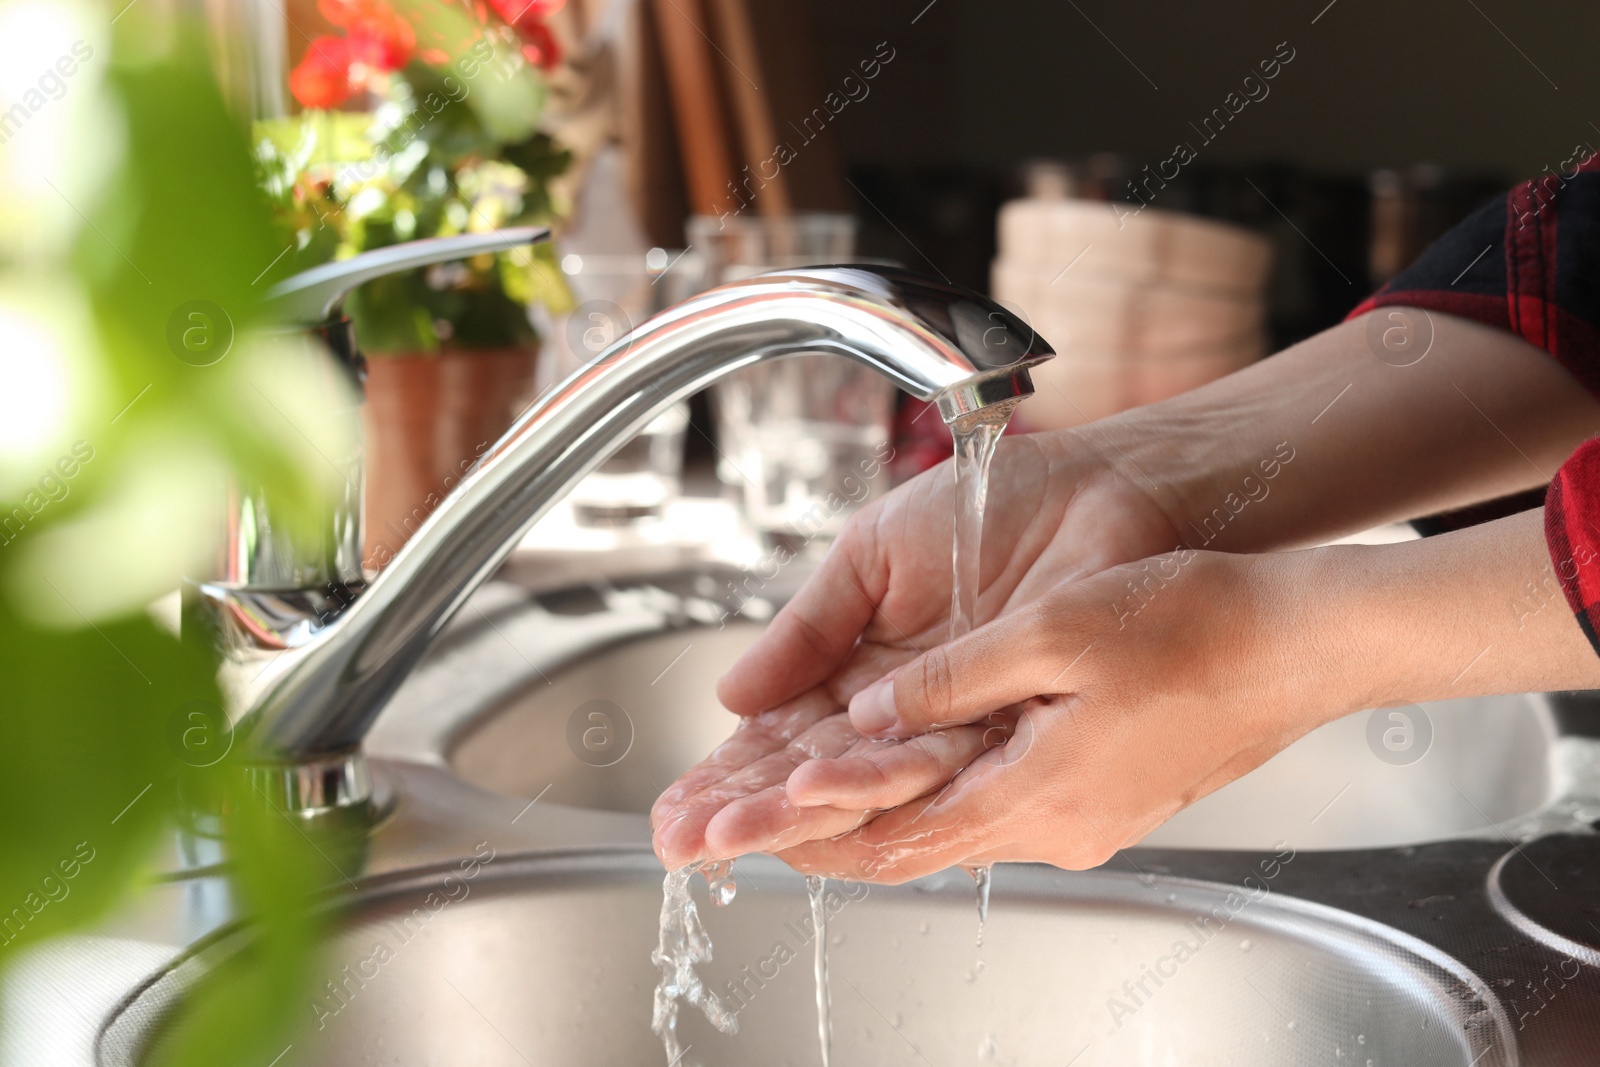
{"type": "Point", "coordinates": [1488, 761]}
{"type": "Point", "coordinates": [547, 961]}
{"type": "Point", "coordinates": [543, 955]}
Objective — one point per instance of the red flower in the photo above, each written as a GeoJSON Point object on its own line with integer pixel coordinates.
{"type": "Point", "coordinates": [381, 38]}
{"type": "Point", "coordinates": [527, 16]}
{"type": "Point", "coordinates": [388, 47]}
{"type": "Point", "coordinates": [322, 79]}
{"type": "Point", "coordinates": [521, 13]}
{"type": "Point", "coordinates": [541, 47]}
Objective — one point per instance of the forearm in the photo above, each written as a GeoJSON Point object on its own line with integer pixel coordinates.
{"type": "Point", "coordinates": [1469, 613]}
{"type": "Point", "coordinates": [1482, 414]}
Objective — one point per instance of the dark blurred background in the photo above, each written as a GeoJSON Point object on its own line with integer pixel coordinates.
{"type": "Point", "coordinates": [1454, 99]}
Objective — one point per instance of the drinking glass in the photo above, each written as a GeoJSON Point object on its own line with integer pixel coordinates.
{"type": "Point", "coordinates": [804, 440]}
{"type": "Point", "coordinates": [614, 294]}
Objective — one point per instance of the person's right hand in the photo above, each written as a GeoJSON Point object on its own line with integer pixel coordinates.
{"type": "Point", "coordinates": [1058, 510]}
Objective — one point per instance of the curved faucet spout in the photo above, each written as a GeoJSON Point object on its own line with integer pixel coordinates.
{"type": "Point", "coordinates": [940, 342]}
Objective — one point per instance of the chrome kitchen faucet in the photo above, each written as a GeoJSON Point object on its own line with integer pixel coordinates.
{"type": "Point", "coordinates": [303, 695]}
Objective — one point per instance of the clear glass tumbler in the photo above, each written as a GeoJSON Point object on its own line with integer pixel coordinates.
{"type": "Point", "coordinates": [805, 440]}
{"type": "Point", "coordinates": [615, 294]}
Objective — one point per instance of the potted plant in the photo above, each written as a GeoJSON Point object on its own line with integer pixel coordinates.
{"type": "Point", "coordinates": [421, 119]}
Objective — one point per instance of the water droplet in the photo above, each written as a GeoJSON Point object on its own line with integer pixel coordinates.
{"type": "Point", "coordinates": [923, 928]}
{"type": "Point", "coordinates": [1291, 1024]}
{"type": "Point", "coordinates": [981, 875]}
{"type": "Point", "coordinates": [1361, 1039]}
{"type": "Point", "coordinates": [1245, 946]}
{"type": "Point", "coordinates": [719, 879]}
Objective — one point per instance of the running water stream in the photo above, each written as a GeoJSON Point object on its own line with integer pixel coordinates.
{"type": "Point", "coordinates": [975, 438]}
{"type": "Point", "coordinates": [816, 887]}
{"type": "Point", "coordinates": [684, 941]}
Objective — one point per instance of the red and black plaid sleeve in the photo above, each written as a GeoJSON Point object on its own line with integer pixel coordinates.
{"type": "Point", "coordinates": [1572, 530]}
{"type": "Point", "coordinates": [1529, 263]}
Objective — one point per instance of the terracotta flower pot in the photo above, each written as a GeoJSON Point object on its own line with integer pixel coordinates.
{"type": "Point", "coordinates": [428, 418]}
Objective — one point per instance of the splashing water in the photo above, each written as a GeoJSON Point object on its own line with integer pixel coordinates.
{"type": "Point", "coordinates": [684, 943]}
{"type": "Point", "coordinates": [976, 436]}
{"type": "Point", "coordinates": [815, 888]}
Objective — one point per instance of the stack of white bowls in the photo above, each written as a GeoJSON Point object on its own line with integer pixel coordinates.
{"type": "Point", "coordinates": [1138, 306]}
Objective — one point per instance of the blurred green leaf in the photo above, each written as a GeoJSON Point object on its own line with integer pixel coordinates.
{"type": "Point", "coordinates": [98, 694]}
{"type": "Point", "coordinates": [91, 778]}
{"type": "Point", "coordinates": [506, 93]}
{"type": "Point", "coordinates": [286, 873]}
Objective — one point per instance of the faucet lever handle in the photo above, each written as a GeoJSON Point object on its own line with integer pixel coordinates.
{"type": "Point", "coordinates": [310, 297]}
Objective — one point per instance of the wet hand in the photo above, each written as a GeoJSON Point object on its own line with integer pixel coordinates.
{"type": "Point", "coordinates": [1057, 512]}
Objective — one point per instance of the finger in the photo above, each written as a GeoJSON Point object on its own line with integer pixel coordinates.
{"type": "Point", "coordinates": [767, 822]}
{"type": "Point", "coordinates": [680, 837]}
{"type": "Point", "coordinates": [753, 738]}
{"type": "Point", "coordinates": [1004, 662]}
{"type": "Point", "coordinates": [869, 662]}
{"type": "Point", "coordinates": [880, 774]}
{"type": "Point", "coordinates": [951, 826]}
{"type": "Point", "coordinates": [876, 856]}
{"type": "Point", "coordinates": [815, 631]}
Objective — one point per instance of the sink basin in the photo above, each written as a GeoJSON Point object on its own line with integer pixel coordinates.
{"type": "Point", "coordinates": [543, 955]}
{"type": "Point", "coordinates": [547, 961]}
{"type": "Point", "coordinates": [522, 748]}
{"type": "Point", "coordinates": [1487, 763]}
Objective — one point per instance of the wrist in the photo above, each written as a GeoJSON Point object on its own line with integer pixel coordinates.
{"type": "Point", "coordinates": [1302, 626]}
{"type": "Point", "coordinates": [1361, 640]}
{"type": "Point", "coordinates": [1210, 481]}
{"type": "Point", "coordinates": [1472, 613]}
